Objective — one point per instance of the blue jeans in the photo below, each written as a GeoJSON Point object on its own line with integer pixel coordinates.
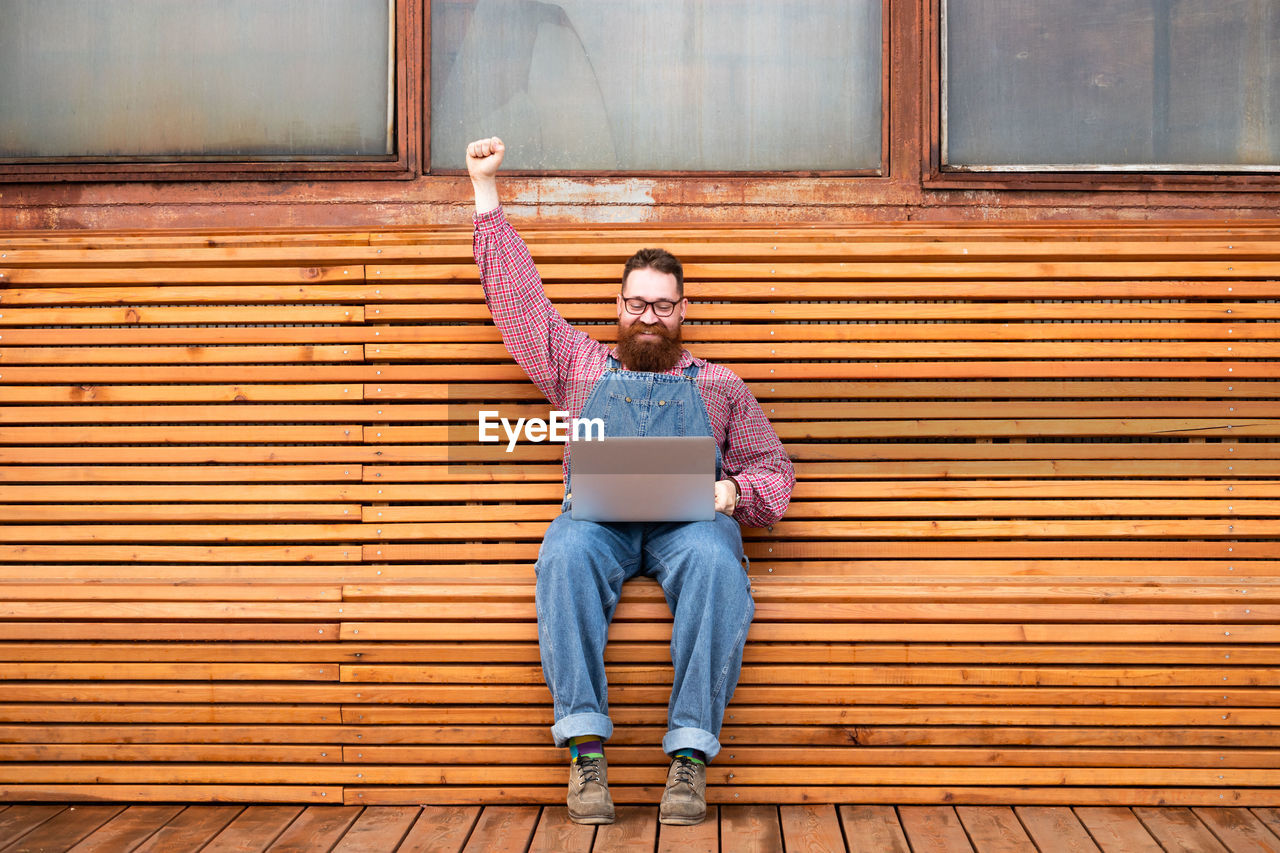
{"type": "Point", "coordinates": [699, 565]}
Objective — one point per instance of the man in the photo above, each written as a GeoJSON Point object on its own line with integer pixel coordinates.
{"type": "Point", "coordinates": [647, 385]}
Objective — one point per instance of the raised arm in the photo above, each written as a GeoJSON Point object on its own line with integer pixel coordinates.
{"type": "Point", "coordinates": [538, 338]}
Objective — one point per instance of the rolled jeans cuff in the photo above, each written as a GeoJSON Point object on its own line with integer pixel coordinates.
{"type": "Point", "coordinates": [577, 725]}
{"type": "Point", "coordinates": [691, 738]}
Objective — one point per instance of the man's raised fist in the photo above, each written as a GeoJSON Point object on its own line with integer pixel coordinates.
{"type": "Point", "coordinates": [484, 156]}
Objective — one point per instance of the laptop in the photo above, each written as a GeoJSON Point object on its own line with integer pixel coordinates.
{"type": "Point", "coordinates": [644, 478]}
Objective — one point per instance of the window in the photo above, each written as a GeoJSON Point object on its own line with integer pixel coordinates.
{"type": "Point", "coordinates": [660, 85]}
{"type": "Point", "coordinates": [215, 85]}
{"type": "Point", "coordinates": [1111, 85]}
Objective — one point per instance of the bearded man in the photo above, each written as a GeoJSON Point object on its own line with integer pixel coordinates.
{"type": "Point", "coordinates": [649, 384]}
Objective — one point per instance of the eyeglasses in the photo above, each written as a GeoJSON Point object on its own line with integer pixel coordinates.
{"type": "Point", "coordinates": [661, 307]}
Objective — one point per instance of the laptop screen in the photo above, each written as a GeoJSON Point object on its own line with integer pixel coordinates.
{"type": "Point", "coordinates": [643, 478]}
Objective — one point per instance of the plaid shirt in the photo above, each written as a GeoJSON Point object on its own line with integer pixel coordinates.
{"type": "Point", "coordinates": [565, 363]}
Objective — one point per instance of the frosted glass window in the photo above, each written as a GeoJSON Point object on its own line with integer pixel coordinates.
{"type": "Point", "coordinates": [659, 84]}
{"type": "Point", "coordinates": [195, 79]}
{"type": "Point", "coordinates": [1121, 84]}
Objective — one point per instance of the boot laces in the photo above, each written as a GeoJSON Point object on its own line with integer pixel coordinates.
{"type": "Point", "coordinates": [686, 769]}
{"type": "Point", "coordinates": [588, 768]}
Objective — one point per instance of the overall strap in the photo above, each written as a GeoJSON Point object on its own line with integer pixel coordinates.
{"type": "Point", "coordinates": [692, 370]}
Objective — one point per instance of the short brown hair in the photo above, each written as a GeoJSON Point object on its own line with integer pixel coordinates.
{"type": "Point", "coordinates": [655, 259]}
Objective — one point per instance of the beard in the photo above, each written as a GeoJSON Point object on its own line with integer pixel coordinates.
{"type": "Point", "coordinates": [655, 356]}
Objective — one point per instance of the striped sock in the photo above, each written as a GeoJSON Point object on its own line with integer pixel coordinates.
{"type": "Point", "coordinates": [587, 746]}
{"type": "Point", "coordinates": [695, 755]}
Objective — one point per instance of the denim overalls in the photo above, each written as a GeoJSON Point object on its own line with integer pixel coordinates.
{"type": "Point", "coordinates": [699, 565]}
{"type": "Point", "coordinates": [632, 403]}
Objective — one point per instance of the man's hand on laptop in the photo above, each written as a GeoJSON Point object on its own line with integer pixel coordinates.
{"type": "Point", "coordinates": [726, 497]}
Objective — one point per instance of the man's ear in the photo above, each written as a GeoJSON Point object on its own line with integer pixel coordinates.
{"type": "Point", "coordinates": [619, 306]}
{"type": "Point", "coordinates": [684, 303]}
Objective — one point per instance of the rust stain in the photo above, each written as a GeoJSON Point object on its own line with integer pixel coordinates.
{"type": "Point", "coordinates": [443, 200]}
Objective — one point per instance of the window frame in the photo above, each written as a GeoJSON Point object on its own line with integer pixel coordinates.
{"type": "Point", "coordinates": [405, 164]}
{"type": "Point", "coordinates": [937, 174]}
{"type": "Point", "coordinates": [881, 171]}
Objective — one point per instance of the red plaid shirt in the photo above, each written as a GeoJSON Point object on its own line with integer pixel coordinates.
{"type": "Point", "coordinates": [565, 363]}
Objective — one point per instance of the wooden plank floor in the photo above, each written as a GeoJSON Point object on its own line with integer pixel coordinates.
{"type": "Point", "coordinates": [108, 828]}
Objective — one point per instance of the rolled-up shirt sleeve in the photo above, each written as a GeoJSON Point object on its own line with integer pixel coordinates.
{"type": "Point", "coordinates": [540, 340]}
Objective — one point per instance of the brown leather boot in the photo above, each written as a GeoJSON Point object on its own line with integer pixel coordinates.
{"type": "Point", "coordinates": [589, 800]}
{"type": "Point", "coordinates": [684, 802]}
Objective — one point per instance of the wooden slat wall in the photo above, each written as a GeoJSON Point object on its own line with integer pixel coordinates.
{"type": "Point", "coordinates": [251, 549]}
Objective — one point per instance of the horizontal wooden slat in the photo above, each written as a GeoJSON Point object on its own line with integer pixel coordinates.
{"type": "Point", "coordinates": [1243, 493]}
{"type": "Point", "coordinates": [182, 505]}
{"type": "Point", "coordinates": [176, 512]}
{"type": "Point", "coordinates": [89, 672]}
{"type": "Point", "coordinates": [203, 474]}
{"type": "Point", "coordinates": [770, 248]}
{"type": "Point", "coordinates": [388, 743]}
{"type": "Point", "coordinates": [706, 336]}
{"type": "Point", "coordinates": [829, 529]}
{"type": "Point", "coordinates": [746, 756]}
{"type": "Point", "coordinates": [792, 351]}
{"type": "Point", "coordinates": [856, 271]}
{"type": "Point", "coordinates": [134, 793]}
{"type": "Point", "coordinates": [926, 794]}
{"type": "Point", "coordinates": [177, 753]}
{"type": "Point", "coordinates": [1220, 656]}
{"type": "Point", "coordinates": [174, 713]}
{"type": "Point", "coordinates": [797, 676]}
{"type": "Point", "coordinates": [65, 275]}
{"type": "Point", "coordinates": [940, 567]}
{"type": "Point", "coordinates": [177, 355]}
{"type": "Point", "coordinates": [36, 287]}
{"type": "Point", "coordinates": [132, 631]}
{"type": "Point", "coordinates": [989, 415]}
{"type": "Point", "coordinates": [883, 389]}
{"type": "Point", "coordinates": [504, 370]}
{"type": "Point", "coordinates": [851, 632]}
{"type": "Point", "coordinates": [75, 288]}
{"type": "Point", "coordinates": [634, 610]}
{"type": "Point", "coordinates": [135, 553]}
{"type": "Point", "coordinates": [140, 591]}
{"type": "Point", "coordinates": [1227, 426]}
{"type": "Point", "coordinates": [237, 413]}
{"type": "Point", "coordinates": [763, 546]}
{"type": "Point", "coordinates": [325, 774]}
{"type": "Point", "coordinates": [905, 588]}
{"type": "Point", "coordinates": [185, 314]}
{"type": "Point", "coordinates": [744, 714]}
{"type": "Point", "coordinates": [850, 306]}
{"type": "Point", "coordinates": [1236, 701]}
{"type": "Point", "coordinates": [877, 459]}
{"type": "Point", "coordinates": [181, 434]}
{"type": "Point", "coordinates": [245, 393]}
